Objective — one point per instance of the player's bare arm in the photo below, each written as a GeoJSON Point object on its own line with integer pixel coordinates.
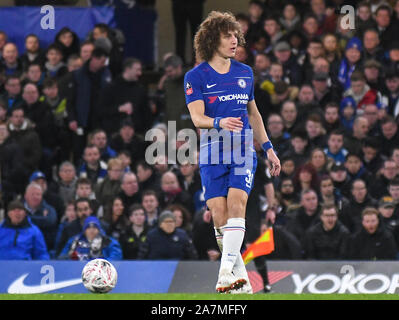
{"type": "Point", "coordinates": [201, 121]}
{"type": "Point", "coordinates": [255, 119]}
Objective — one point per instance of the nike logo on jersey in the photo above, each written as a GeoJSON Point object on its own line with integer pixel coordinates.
{"type": "Point", "coordinates": [208, 86]}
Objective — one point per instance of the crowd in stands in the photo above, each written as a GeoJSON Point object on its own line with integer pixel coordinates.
{"type": "Point", "coordinates": [75, 183]}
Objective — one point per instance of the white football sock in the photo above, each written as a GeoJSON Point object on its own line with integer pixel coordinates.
{"type": "Point", "coordinates": [233, 236]}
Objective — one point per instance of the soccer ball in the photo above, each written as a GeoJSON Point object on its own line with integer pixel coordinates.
{"type": "Point", "coordinates": [99, 276]}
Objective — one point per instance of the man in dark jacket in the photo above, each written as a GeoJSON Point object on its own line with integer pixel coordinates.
{"type": "Point", "coordinates": [373, 241]}
{"type": "Point", "coordinates": [19, 238]}
{"type": "Point", "coordinates": [351, 214]}
{"type": "Point", "coordinates": [167, 242]}
{"type": "Point", "coordinates": [328, 239]}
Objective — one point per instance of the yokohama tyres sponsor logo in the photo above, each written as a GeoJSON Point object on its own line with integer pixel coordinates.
{"type": "Point", "coordinates": [350, 282]}
{"type": "Point", "coordinates": [238, 96]}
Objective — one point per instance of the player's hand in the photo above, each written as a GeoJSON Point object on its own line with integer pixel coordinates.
{"type": "Point", "coordinates": [273, 163]}
{"type": "Point", "coordinates": [73, 126]}
{"type": "Point", "coordinates": [231, 123]}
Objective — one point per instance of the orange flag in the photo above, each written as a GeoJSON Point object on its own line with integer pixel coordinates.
{"type": "Point", "coordinates": [262, 246]}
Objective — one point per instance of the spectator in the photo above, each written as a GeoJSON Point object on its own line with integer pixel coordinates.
{"type": "Point", "coordinates": [135, 232]}
{"type": "Point", "coordinates": [331, 119]}
{"type": "Point", "coordinates": [68, 216]}
{"type": "Point", "coordinates": [41, 213]}
{"type": "Point", "coordinates": [23, 133]}
{"type": "Point", "coordinates": [316, 133]}
{"type": "Point", "coordinates": [329, 195]}
{"type": "Point", "coordinates": [319, 160]}
{"type": "Point", "coordinates": [290, 19]}
{"type": "Point", "coordinates": [166, 242]}
{"type": "Point", "coordinates": [68, 42]}
{"type": "Point", "coordinates": [10, 61]}
{"type": "Point", "coordinates": [372, 241]}
{"type": "Point", "coordinates": [385, 28]}
{"type": "Point", "coordinates": [360, 130]}
{"type": "Point", "coordinates": [126, 98]}
{"type": "Point", "coordinates": [191, 180]}
{"type": "Point", "coordinates": [182, 217]}
{"type": "Point", "coordinates": [351, 215]}
{"type": "Point", "coordinates": [65, 186]}
{"type": "Point", "coordinates": [372, 114]}
{"type": "Point", "coordinates": [74, 62]}
{"type": "Point", "coordinates": [20, 238]}
{"type": "Point", "coordinates": [93, 167]}
{"type": "Point", "coordinates": [299, 147]}
{"type": "Point", "coordinates": [306, 102]}
{"type": "Point", "coordinates": [114, 221]}
{"type": "Point", "coordinates": [379, 187]}
{"type": "Point", "coordinates": [277, 135]}
{"type": "Point", "coordinates": [392, 93]}
{"type": "Point", "coordinates": [328, 239]}
{"type": "Point", "coordinates": [111, 185]}
{"type": "Point", "coordinates": [340, 179]}
{"type": "Point", "coordinates": [307, 215]}
{"type": "Point", "coordinates": [272, 29]}
{"type": "Point", "coordinates": [86, 49]}
{"type": "Point", "coordinates": [99, 138]}
{"type": "Point", "coordinates": [332, 52]}
{"type": "Point", "coordinates": [83, 93]}
{"type": "Point", "coordinates": [33, 53]}
{"type": "Point", "coordinates": [289, 113]}
{"type": "Point", "coordinates": [355, 168]}
{"type": "Point", "coordinates": [130, 192]}
{"type": "Point", "coordinates": [393, 191]}
{"type": "Point", "coordinates": [150, 204]}
{"type": "Point", "coordinates": [91, 243]}
{"type": "Point", "coordinates": [84, 189]}
{"type": "Point", "coordinates": [364, 18]}
{"type": "Point", "coordinates": [387, 216]}
{"type": "Point", "coordinates": [291, 69]}
{"type": "Point", "coordinates": [12, 94]}
{"type": "Point", "coordinates": [55, 67]}
{"type": "Point", "coordinates": [306, 178]}
{"type": "Point", "coordinates": [34, 74]}
{"type": "Point", "coordinates": [314, 50]}
{"type": "Point", "coordinates": [390, 135]}
{"type": "Point", "coordinates": [335, 147]}
{"type": "Point", "coordinates": [371, 43]}
{"type": "Point", "coordinates": [371, 159]}
{"type": "Point", "coordinates": [147, 176]}
{"type": "Point", "coordinates": [83, 210]}
{"type": "Point", "coordinates": [350, 62]}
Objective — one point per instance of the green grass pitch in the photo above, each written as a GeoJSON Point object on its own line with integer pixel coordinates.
{"type": "Point", "coordinates": [196, 296]}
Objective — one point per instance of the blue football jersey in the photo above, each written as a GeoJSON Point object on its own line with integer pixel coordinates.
{"type": "Point", "coordinates": [224, 95]}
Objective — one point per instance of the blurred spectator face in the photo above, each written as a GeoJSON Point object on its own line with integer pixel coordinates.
{"type": "Point", "coordinates": [275, 125]}
{"type": "Point", "coordinates": [74, 64]}
{"type": "Point", "coordinates": [389, 129]}
{"type": "Point", "coordinates": [289, 112]}
{"type": "Point", "coordinates": [310, 26]}
{"type": "Point", "coordinates": [115, 172]}
{"type": "Point", "coordinates": [313, 129]}
{"type": "Point", "coordinates": [353, 164]}
{"type": "Point", "coordinates": [83, 209]}
{"type": "Point", "coordinates": [3, 132]}
{"type": "Point", "coordinates": [83, 190]}
{"type": "Point", "coordinates": [98, 33]}
{"type": "Point", "coordinates": [320, 85]}
{"type": "Point", "coordinates": [335, 143]}
{"type": "Point", "coordinates": [327, 187]}
{"type": "Point", "coordinates": [17, 118]}
{"type": "Point", "coordinates": [383, 18]}
{"type": "Point", "coordinates": [67, 173]}
{"type": "Point", "coordinates": [386, 212]}
{"type": "Point", "coordinates": [91, 232]}
{"type": "Point", "coordinates": [169, 182]}
{"type": "Point", "coordinates": [287, 187]}
{"type": "Point", "coordinates": [309, 201]}
{"type": "Point", "coordinates": [244, 25]}
{"type": "Point", "coordinates": [338, 176]}
{"type": "Point", "coordinates": [34, 73]}
{"type": "Point", "coordinates": [34, 196]}
{"type": "Point", "coordinates": [330, 43]}
{"type": "Point", "coordinates": [289, 12]}
{"type": "Point", "coordinates": [353, 55]}
{"type": "Point", "coordinates": [97, 63]}
{"type": "Point", "coordinates": [331, 115]}
{"type": "Point", "coordinates": [161, 163]}
{"type": "Point", "coordinates": [54, 56]}
{"type": "Point", "coordinates": [282, 56]}
{"type": "Point", "coordinates": [51, 92]}
{"type": "Point", "coordinates": [30, 94]}
{"type": "Point", "coordinates": [299, 144]}
{"type": "Point", "coordinates": [369, 153]}
{"type": "Point", "coordinates": [100, 140]}
{"type": "Point", "coordinates": [361, 127]}
{"type": "Point", "coordinates": [318, 7]}
{"type": "Point", "coordinates": [364, 13]}
{"type": "Point", "coordinates": [137, 217]}
{"type": "Point", "coordinates": [241, 54]}
{"type": "Point", "coordinates": [321, 65]}
{"type": "Point", "coordinates": [126, 133]}
{"type": "Point", "coordinates": [329, 218]}
{"type": "Point", "coordinates": [130, 185]}
{"type": "Point", "coordinates": [42, 183]}
{"type": "Point", "coordinates": [17, 216]}
{"type": "Point", "coordinates": [32, 44]}
{"type": "Point", "coordinates": [85, 51]}
{"type": "Point", "coordinates": [91, 155]}
{"type": "Point", "coordinates": [370, 223]}
{"type": "Point", "coordinates": [394, 192]}
{"type": "Point", "coordinates": [315, 49]}
{"type": "Point", "coordinates": [255, 11]}
{"type": "Point", "coordinates": [262, 63]}
{"type": "Point", "coordinates": [357, 86]}
{"type": "Point", "coordinates": [125, 160]}
{"type": "Point", "coordinates": [370, 40]}
{"type": "Point", "coordinates": [168, 225]}
{"type": "Point", "coordinates": [10, 53]}
{"type": "Point", "coordinates": [66, 38]}
{"type": "Point", "coordinates": [371, 114]}
{"type": "Point", "coordinates": [135, 71]}
{"type": "Point", "coordinates": [3, 40]}
{"type": "Point", "coordinates": [187, 169]}
{"type": "Point", "coordinates": [117, 207]}
{"type": "Point", "coordinates": [305, 176]}
{"type": "Point", "coordinates": [306, 95]}
{"type": "Point", "coordinates": [359, 191]}
{"type": "Point", "coordinates": [318, 159]}
{"type": "Point", "coordinates": [271, 27]}
{"type": "Point", "coordinates": [288, 167]}
{"type": "Point", "coordinates": [389, 170]}
{"type": "Point", "coordinates": [276, 72]}
{"type": "Point", "coordinates": [395, 156]}
{"type": "Point", "coordinates": [70, 212]}
{"type": "Point", "coordinates": [372, 73]}
{"type": "Point", "coordinates": [143, 173]}
{"type": "Point", "coordinates": [178, 217]}
{"type": "Point", "coordinates": [150, 203]}
{"type": "Point", "coordinates": [394, 55]}
{"type": "Point", "coordinates": [396, 8]}
{"type": "Point", "coordinates": [392, 84]}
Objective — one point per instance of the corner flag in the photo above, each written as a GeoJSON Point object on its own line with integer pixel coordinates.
{"type": "Point", "coordinates": [262, 246]}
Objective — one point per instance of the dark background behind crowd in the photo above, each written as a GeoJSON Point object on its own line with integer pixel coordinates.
{"type": "Point", "coordinates": [75, 183]}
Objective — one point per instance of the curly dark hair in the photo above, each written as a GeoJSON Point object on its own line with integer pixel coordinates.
{"type": "Point", "coordinates": [207, 38]}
